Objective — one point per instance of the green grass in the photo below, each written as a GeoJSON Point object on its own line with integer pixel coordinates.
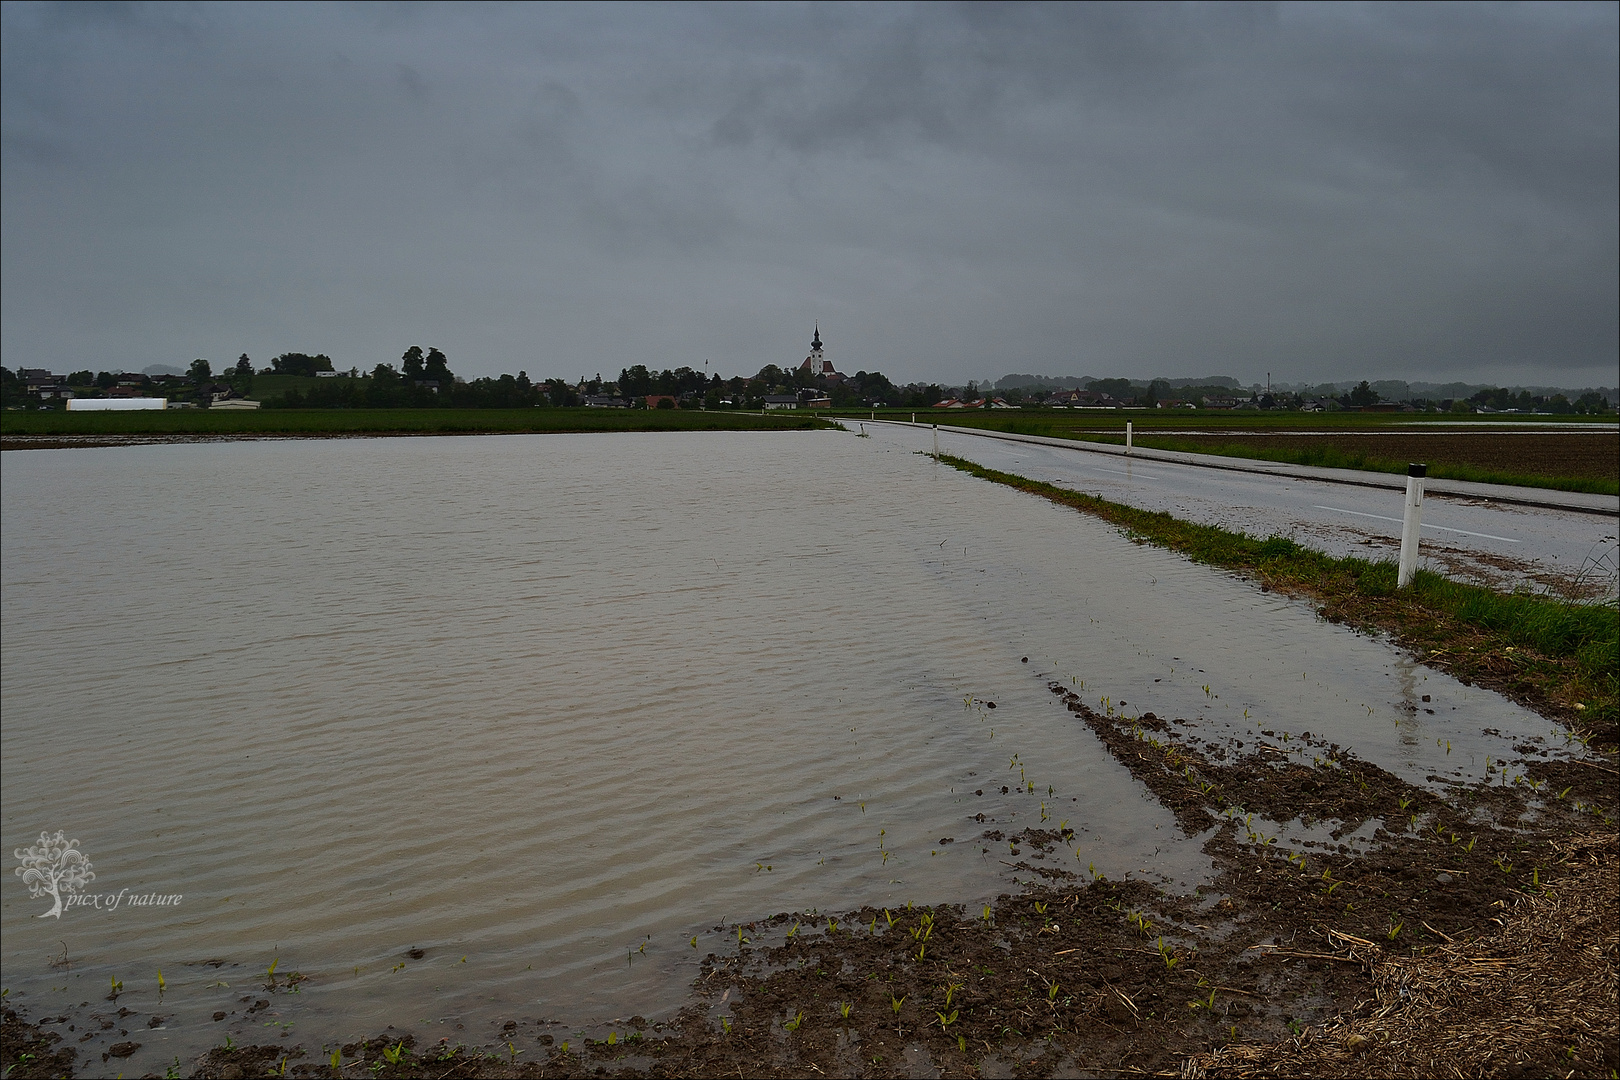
{"type": "Point", "coordinates": [1543, 652]}
{"type": "Point", "coordinates": [391, 421]}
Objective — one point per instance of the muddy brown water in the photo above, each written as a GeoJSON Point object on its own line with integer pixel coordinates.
{"type": "Point", "coordinates": [547, 707]}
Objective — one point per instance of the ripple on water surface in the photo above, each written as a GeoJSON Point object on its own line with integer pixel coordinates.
{"type": "Point", "coordinates": [538, 701]}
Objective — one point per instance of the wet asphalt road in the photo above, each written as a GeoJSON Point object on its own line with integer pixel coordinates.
{"type": "Point", "coordinates": [1505, 544]}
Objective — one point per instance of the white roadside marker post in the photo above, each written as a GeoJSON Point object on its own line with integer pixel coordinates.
{"type": "Point", "coordinates": [936, 442]}
{"type": "Point", "coordinates": [1128, 433]}
{"type": "Point", "coordinates": [1411, 523]}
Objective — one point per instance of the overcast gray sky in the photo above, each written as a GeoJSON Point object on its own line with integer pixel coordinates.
{"type": "Point", "coordinates": [954, 192]}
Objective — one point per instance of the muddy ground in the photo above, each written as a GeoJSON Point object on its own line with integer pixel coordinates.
{"type": "Point", "coordinates": [1469, 932]}
{"type": "Point", "coordinates": [1594, 454]}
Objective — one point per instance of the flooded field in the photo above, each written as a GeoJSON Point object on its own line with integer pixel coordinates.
{"type": "Point", "coordinates": [461, 726]}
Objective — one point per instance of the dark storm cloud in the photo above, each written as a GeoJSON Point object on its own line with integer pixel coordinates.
{"type": "Point", "coordinates": [1318, 191]}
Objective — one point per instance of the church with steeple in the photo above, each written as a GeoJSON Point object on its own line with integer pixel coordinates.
{"type": "Point", "coordinates": [816, 363]}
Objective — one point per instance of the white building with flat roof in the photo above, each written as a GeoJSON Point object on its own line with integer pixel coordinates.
{"type": "Point", "coordinates": [116, 404]}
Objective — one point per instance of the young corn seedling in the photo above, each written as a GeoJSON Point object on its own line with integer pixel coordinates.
{"type": "Point", "coordinates": [162, 986]}
{"type": "Point", "coordinates": [725, 1026]}
{"type": "Point", "coordinates": [337, 1060]}
{"type": "Point", "coordinates": [793, 931]}
{"type": "Point", "coordinates": [793, 1024]}
{"type": "Point", "coordinates": [117, 988]}
{"type": "Point", "coordinates": [896, 1002]}
{"type": "Point", "coordinates": [845, 1008]}
{"type": "Point", "coordinates": [394, 1054]}
{"type": "Point", "coordinates": [946, 1019]}
{"type": "Point", "coordinates": [987, 913]}
{"type": "Point", "coordinates": [1040, 908]}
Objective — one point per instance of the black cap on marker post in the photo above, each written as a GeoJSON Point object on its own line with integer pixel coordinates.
{"type": "Point", "coordinates": [1415, 469]}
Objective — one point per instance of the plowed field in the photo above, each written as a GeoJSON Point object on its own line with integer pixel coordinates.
{"type": "Point", "coordinates": [1535, 453]}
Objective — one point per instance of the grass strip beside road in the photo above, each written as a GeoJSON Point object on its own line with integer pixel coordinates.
{"type": "Point", "coordinates": [1549, 655]}
{"type": "Point", "coordinates": [183, 423]}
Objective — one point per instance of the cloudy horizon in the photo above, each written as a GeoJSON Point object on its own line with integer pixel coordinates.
{"type": "Point", "coordinates": [952, 192]}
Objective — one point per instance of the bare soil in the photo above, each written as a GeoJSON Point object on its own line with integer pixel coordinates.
{"type": "Point", "coordinates": [1594, 454]}
{"type": "Point", "coordinates": [1294, 962]}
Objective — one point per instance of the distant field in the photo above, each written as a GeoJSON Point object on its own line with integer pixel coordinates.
{"type": "Point", "coordinates": [1065, 423]}
{"type": "Point", "coordinates": [1593, 455]}
{"type": "Point", "coordinates": [1494, 450]}
{"type": "Point", "coordinates": [20, 429]}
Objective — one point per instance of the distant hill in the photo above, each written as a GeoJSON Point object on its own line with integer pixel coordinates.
{"type": "Point", "coordinates": [1073, 382]}
{"type": "Point", "coordinates": [1388, 389]}
{"type": "Point", "coordinates": [162, 369]}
